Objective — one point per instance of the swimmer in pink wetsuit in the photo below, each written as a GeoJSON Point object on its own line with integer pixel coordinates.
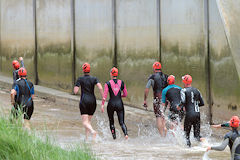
{"type": "Point", "coordinates": [115, 87]}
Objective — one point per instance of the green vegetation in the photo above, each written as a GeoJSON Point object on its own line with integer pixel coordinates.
{"type": "Point", "coordinates": [18, 144]}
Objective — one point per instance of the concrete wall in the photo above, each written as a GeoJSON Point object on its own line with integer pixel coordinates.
{"type": "Point", "coordinates": [17, 38]}
{"type": "Point", "coordinates": [224, 76]}
{"type": "Point", "coordinates": [54, 43]}
{"type": "Point", "coordinates": [94, 37]}
{"type": "Point", "coordinates": [137, 43]}
{"type": "Point", "coordinates": [183, 40]}
{"type": "Point", "coordinates": [130, 34]}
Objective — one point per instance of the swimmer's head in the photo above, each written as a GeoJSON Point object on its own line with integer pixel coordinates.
{"type": "Point", "coordinates": [15, 64]}
{"type": "Point", "coordinates": [234, 122]}
{"type": "Point", "coordinates": [171, 79]}
{"type": "Point", "coordinates": [114, 72]}
{"type": "Point", "coordinates": [187, 79]}
{"type": "Point", "coordinates": [86, 68]}
{"type": "Point", "coordinates": [22, 72]}
{"type": "Point", "coordinates": [157, 66]}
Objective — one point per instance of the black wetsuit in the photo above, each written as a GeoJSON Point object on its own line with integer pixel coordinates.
{"type": "Point", "coordinates": [23, 99]}
{"type": "Point", "coordinates": [15, 76]}
{"type": "Point", "coordinates": [232, 139]}
{"type": "Point", "coordinates": [158, 81]}
{"type": "Point", "coordinates": [115, 103]}
{"type": "Point", "coordinates": [232, 136]}
{"type": "Point", "coordinates": [191, 99]}
{"type": "Point", "coordinates": [172, 94]}
{"type": "Point", "coordinates": [87, 103]}
{"type": "Point", "coordinates": [15, 73]}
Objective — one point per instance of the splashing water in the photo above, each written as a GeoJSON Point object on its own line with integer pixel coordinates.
{"type": "Point", "coordinates": [205, 156]}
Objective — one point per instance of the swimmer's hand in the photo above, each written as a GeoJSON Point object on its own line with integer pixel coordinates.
{"type": "Point", "coordinates": [202, 139]}
{"type": "Point", "coordinates": [145, 104]}
{"type": "Point", "coordinates": [208, 148]}
{"type": "Point", "coordinates": [102, 108]}
{"type": "Point", "coordinates": [178, 108]}
{"type": "Point", "coordinates": [184, 109]}
{"type": "Point", "coordinates": [13, 102]}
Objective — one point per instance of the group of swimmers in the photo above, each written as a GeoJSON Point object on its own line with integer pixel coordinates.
{"type": "Point", "coordinates": [180, 102]}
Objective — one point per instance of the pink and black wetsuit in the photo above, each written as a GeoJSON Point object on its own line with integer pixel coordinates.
{"type": "Point", "coordinates": [115, 103]}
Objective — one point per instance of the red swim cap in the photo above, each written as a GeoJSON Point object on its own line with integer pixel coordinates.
{"type": "Point", "coordinates": [171, 79]}
{"type": "Point", "coordinates": [22, 72]}
{"type": "Point", "coordinates": [86, 68]}
{"type": "Point", "coordinates": [187, 79]}
{"type": "Point", "coordinates": [234, 122]}
{"type": "Point", "coordinates": [114, 72]}
{"type": "Point", "coordinates": [157, 65]}
{"type": "Point", "coordinates": [15, 64]}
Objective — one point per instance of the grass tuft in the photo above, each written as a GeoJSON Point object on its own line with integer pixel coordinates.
{"type": "Point", "coordinates": [18, 144]}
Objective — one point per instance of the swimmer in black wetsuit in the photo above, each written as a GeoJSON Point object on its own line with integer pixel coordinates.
{"type": "Point", "coordinates": [232, 139]}
{"type": "Point", "coordinates": [115, 87]}
{"type": "Point", "coordinates": [191, 99]}
{"type": "Point", "coordinates": [16, 66]}
{"type": "Point", "coordinates": [172, 94]}
{"type": "Point", "coordinates": [87, 103]}
{"type": "Point", "coordinates": [158, 81]}
{"type": "Point", "coordinates": [22, 95]}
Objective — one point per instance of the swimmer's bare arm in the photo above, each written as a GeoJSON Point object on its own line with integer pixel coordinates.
{"type": "Point", "coordinates": [221, 125]}
{"type": "Point", "coordinates": [165, 106]}
{"type": "Point", "coordinates": [21, 60]}
{"type": "Point", "coordinates": [145, 97]}
{"type": "Point", "coordinates": [216, 126]}
{"type": "Point", "coordinates": [102, 94]}
{"type": "Point", "coordinates": [100, 89]}
{"type": "Point", "coordinates": [76, 89]}
{"type": "Point", "coordinates": [149, 84]}
{"type": "Point", "coordinates": [13, 94]}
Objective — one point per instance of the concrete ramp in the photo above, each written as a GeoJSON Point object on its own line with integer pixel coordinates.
{"type": "Point", "coordinates": [230, 14]}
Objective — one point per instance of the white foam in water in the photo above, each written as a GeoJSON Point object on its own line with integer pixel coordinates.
{"type": "Point", "coordinates": [146, 141]}
{"type": "Point", "coordinates": [205, 156]}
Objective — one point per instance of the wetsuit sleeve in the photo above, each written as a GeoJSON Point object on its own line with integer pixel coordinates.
{"type": "Point", "coordinates": [22, 63]}
{"type": "Point", "coordinates": [14, 77]}
{"type": "Point", "coordinates": [165, 81]}
{"type": "Point", "coordinates": [78, 83]}
{"type": "Point", "coordinates": [200, 99]}
{"type": "Point", "coordinates": [183, 96]}
{"type": "Point", "coordinates": [32, 90]}
{"type": "Point", "coordinates": [164, 92]}
{"type": "Point", "coordinates": [96, 81]}
{"type": "Point", "coordinates": [150, 83]}
{"type": "Point", "coordinates": [16, 88]}
{"type": "Point", "coordinates": [124, 90]}
{"type": "Point", "coordinates": [105, 93]}
{"type": "Point", "coordinates": [222, 146]}
{"type": "Point", "coordinates": [225, 125]}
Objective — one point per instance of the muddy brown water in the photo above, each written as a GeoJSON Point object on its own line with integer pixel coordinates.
{"type": "Point", "coordinates": [63, 123]}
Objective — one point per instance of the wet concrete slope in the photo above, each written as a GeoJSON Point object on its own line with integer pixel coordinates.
{"type": "Point", "coordinates": [61, 120]}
